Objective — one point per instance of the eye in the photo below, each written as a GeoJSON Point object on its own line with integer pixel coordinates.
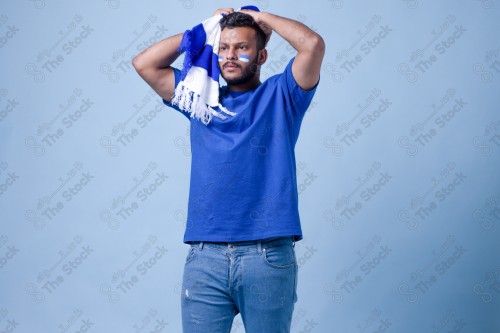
{"type": "Point", "coordinates": [243, 47]}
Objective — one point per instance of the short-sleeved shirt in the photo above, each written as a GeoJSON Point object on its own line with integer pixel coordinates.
{"type": "Point", "coordinates": [243, 182]}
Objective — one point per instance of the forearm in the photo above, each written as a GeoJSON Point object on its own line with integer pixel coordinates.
{"type": "Point", "coordinates": [301, 37]}
{"type": "Point", "coordinates": [159, 55]}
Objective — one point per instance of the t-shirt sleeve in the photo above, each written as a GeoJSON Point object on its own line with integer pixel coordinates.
{"type": "Point", "coordinates": [177, 75]}
{"type": "Point", "coordinates": [297, 100]}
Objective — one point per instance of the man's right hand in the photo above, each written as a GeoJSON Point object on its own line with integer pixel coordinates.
{"type": "Point", "coordinates": [224, 11]}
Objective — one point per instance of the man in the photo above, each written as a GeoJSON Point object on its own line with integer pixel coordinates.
{"type": "Point", "coordinates": [243, 218]}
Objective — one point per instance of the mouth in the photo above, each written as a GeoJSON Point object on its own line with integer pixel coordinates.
{"type": "Point", "coordinates": [231, 66]}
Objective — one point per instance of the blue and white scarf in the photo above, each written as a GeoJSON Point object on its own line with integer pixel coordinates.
{"type": "Point", "coordinates": [198, 90]}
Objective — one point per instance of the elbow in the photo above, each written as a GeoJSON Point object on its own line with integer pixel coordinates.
{"type": "Point", "coordinates": [315, 45]}
{"type": "Point", "coordinates": [138, 63]}
{"type": "Point", "coordinates": [318, 44]}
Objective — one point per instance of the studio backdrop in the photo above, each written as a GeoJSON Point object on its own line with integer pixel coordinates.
{"type": "Point", "coordinates": [398, 164]}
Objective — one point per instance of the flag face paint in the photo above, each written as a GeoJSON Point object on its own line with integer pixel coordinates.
{"type": "Point", "coordinates": [244, 58]}
{"type": "Point", "coordinates": [221, 58]}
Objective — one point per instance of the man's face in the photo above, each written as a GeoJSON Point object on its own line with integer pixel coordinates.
{"type": "Point", "coordinates": [238, 56]}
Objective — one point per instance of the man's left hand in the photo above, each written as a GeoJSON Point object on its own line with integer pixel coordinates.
{"type": "Point", "coordinates": [257, 16]}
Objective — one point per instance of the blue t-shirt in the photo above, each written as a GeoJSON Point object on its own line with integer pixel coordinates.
{"type": "Point", "coordinates": [243, 182]}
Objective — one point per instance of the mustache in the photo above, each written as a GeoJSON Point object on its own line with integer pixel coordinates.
{"type": "Point", "coordinates": [231, 63]}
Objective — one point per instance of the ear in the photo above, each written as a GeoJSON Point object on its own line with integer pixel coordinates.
{"type": "Point", "coordinates": [262, 56]}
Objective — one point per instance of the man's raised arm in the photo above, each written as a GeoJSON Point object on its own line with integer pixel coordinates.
{"type": "Point", "coordinates": [309, 45]}
{"type": "Point", "coordinates": [153, 65]}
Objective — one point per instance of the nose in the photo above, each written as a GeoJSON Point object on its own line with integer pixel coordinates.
{"type": "Point", "coordinates": [231, 54]}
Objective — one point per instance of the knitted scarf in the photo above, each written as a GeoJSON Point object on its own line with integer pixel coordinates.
{"type": "Point", "coordinates": [198, 91]}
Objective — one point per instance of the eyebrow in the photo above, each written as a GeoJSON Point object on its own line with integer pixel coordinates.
{"type": "Point", "coordinates": [222, 43]}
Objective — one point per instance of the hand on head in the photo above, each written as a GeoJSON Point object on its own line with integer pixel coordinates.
{"type": "Point", "coordinates": [224, 11]}
{"type": "Point", "coordinates": [256, 16]}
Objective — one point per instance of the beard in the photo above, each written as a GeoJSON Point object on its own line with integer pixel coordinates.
{"type": "Point", "coordinates": [247, 75]}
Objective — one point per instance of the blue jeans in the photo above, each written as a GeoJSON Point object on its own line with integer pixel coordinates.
{"type": "Point", "coordinates": [255, 278]}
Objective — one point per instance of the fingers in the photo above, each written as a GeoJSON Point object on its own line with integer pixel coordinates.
{"type": "Point", "coordinates": [267, 31]}
{"type": "Point", "coordinates": [268, 37]}
{"type": "Point", "coordinates": [224, 11]}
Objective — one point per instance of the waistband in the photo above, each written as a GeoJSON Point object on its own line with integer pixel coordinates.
{"type": "Point", "coordinates": [268, 242]}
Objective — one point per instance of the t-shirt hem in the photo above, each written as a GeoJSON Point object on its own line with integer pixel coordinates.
{"type": "Point", "coordinates": [297, 235]}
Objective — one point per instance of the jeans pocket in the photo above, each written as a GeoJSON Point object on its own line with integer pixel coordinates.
{"type": "Point", "coordinates": [281, 256]}
{"type": "Point", "coordinates": [191, 254]}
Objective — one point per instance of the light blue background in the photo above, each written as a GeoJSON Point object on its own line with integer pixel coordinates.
{"type": "Point", "coordinates": [384, 266]}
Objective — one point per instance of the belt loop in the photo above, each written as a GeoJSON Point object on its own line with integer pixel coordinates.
{"type": "Point", "coordinates": [259, 247]}
{"type": "Point", "coordinates": [200, 246]}
{"type": "Point", "coordinates": [293, 242]}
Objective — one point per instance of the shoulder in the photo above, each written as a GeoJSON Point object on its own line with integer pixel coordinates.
{"type": "Point", "coordinates": [272, 70]}
{"type": "Point", "coordinates": [288, 81]}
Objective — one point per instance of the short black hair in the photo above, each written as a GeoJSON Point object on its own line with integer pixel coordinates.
{"type": "Point", "coordinates": [239, 19]}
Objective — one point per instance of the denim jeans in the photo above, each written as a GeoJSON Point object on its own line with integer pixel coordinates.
{"type": "Point", "coordinates": [255, 278]}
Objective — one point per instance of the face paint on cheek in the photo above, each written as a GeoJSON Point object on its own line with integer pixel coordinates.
{"type": "Point", "coordinates": [221, 58]}
{"type": "Point", "coordinates": [244, 58]}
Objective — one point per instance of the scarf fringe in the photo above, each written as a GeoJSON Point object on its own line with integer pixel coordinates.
{"type": "Point", "coordinates": [192, 103]}
{"type": "Point", "coordinates": [222, 108]}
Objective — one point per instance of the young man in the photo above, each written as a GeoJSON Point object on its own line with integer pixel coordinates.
{"type": "Point", "coordinates": [243, 218]}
